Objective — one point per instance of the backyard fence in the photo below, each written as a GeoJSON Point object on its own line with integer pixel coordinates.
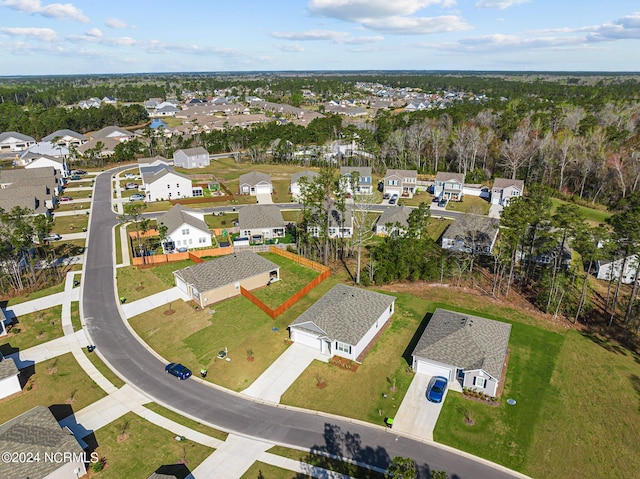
{"type": "Point", "coordinates": [196, 256]}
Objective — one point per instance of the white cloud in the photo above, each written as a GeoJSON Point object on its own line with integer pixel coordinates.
{"type": "Point", "coordinates": [61, 11]}
{"type": "Point", "coordinates": [623, 28]}
{"type": "Point", "coordinates": [95, 36]}
{"type": "Point", "coordinates": [42, 34]}
{"type": "Point", "coordinates": [341, 38]}
{"type": "Point", "coordinates": [290, 47]}
{"type": "Point", "coordinates": [94, 32]}
{"type": "Point", "coordinates": [117, 23]}
{"type": "Point", "coordinates": [417, 25]}
{"type": "Point", "coordinates": [354, 10]}
{"type": "Point", "coordinates": [500, 4]}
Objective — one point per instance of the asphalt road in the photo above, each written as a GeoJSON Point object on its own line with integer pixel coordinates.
{"type": "Point", "coordinates": [368, 444]}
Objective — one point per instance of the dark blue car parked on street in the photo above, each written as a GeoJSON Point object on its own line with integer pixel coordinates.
{"type": "Point", "coordinates": [178, 370]}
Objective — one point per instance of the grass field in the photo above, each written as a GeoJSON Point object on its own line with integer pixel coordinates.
{"type": "Point", "coordinates": [70, 224]}
{"type": "Point", "coordinates": [436, 227]}
{"type": "Point", "coordinates": [470, 204]}
{"type": "Point", "coordinates": [419, 197]}
{"type": "Point", "coordinates": [81, 207]}
{"type": "Point", "coordinates": [134, 283]}
{"type": "Point", "coordinates": [591, 215]}
{"type": "Point", "coordinates": [224, 221]}
{"type": "Point", "coordinates": [191, 424]}
{"type": "Point", "coordinates": [59, 382]}
{"type": "Point", "coordinates": [133, 447]}
{"type": "Point", "coordinates": [35, 328]}
{"type": "Point", "coordinates": [103, 368]}
{"type": "Point", "coordinates": [78, 194]}
{"type": "Point", "coordinates": [75, 316]}
{"type": "Point", "coordinates": [260, 470]}
{"type": "Point", "coordinates": [39, 293]}
{"type": "Point", "coordinates": [118, 244]}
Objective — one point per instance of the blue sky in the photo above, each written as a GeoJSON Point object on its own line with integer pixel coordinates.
{"type": "Point", "coordinates": [91, 36]}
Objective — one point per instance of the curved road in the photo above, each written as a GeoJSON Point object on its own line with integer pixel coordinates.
{"type": "Point", "coordinates": [368, 444]}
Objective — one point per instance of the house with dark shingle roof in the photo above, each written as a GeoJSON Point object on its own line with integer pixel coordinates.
{"type": "Point", "coordinates": [504, 189]}
{"type": "Point", "coordinates": [449, 186]}
{"type": "Point", "coordinates": [185, 229]}
{"type": "Point", "coordinates": [469, 349]}
{"type": "Point", "coordinates": [471, 234]}
{"type": "Point", "coordinates": [9, 377]}
{"type": "Point", "coordinates": [67, 138]}
{"type": "Point", "coordinates": [254, 183]}
{"type": "Point", "coordinates": [261, 222]}
{"type": "Point", "coordinates": [393, 219]}
{"type": "Point", "coordinates": [36, 433]}
{"type": "Point", "coordinates": [14, 141]}
{"type": "Point", "coordinates": [191, 158]}
{"type": "Point", "coordinates": [400, 182]}
{"type": "Point", "coordinates": [220, 278]}
{"type": "Point", "coordinates": [344, 321]}
{"type": "Point", "coordinates": [364, 183]}
{"type": "Point", "coordinates": [294, 187]}
{"type": "Point", "coordinates": [162, 182]}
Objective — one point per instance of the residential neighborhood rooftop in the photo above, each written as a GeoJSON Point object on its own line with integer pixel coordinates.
{"type": "Point", "coordinates": [253, 178]}
{"type": "Point", "coordinates": [179, 215]}
{"type": "Point", "coordinates": [395, 215]}
{"type": "Point", "coordinates": [260, 216]}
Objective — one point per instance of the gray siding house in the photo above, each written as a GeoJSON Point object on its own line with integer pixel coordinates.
{"type": "Point", "coordinates": [469, 349]}
{"type": "Point", "coordinates": [261, 222]}
{"type": "Point", "coordinates": [191, 158]}
{"type": "Point", "coordinates": [449, 186]}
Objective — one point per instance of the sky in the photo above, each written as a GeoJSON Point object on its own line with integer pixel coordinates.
{"type": "Point", "coordinates": [44, 37]}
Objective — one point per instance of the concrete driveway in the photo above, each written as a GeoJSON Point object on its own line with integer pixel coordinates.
{"type": "Point", "coordinates": [417, 416]}
{"type": "Point", "coordinates": [264, 198]}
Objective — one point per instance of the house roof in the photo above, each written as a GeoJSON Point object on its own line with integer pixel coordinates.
{"type": "Point", "coordinates": [8, 367]}
{"type": "Point", "coordinates": [108, 144]}
{"type": "Point", "coordinates": [465, 341]}
{"type": "Point", "coordinates": [480, 224]}
{"type": "Point", "coordinates": [395, 215]}
{"type": "Point", "coordinates": [112, 132]}
{"type": "Point", "coordinates": [63, 133]}
{"type": "Point", "coordinates": [145, 161]}
{"type": "Point", "coordinates": [40, 157]}
{"type": "Point", "coordinates": [445, 176]}
{"type": "Point", "coordinates": [401, 174]}
{"type": "Point", "coordinates": [253, 178]}
{"type": "Point", "coordinates": [345, 313]}
{"type": "Point", "coordinates": [20, 174]}
{"type": "Point", "coordinates": [506, 183]}
{"type": "Point", "coordinates": [362, 170]}
{"type": "Point", "coordinates": [4, 136]}
{"type": "Point", "coordinates": [34, 432]}
{"type": "Point", "coordinates": [225, 270]}
{"type": "Point", "coordinates": [154, 173]}
{"type": "Point", "coordinates": [179, 215]}
{"type": "Point", "coordinates": [46, 148]}
{"type": "Point", "coordinates": [306, 173]}
{"type": "Point", "coordinates": [197, 151]}
{"type": "Point", "coordinates": [260, 216]}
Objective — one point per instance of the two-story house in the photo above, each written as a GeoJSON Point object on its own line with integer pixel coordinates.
{"type": "Point", "coordinates": [363, 185]}
{"type": "Point", "coordinates": [161, 182]}
{"type": "Point", "coordinates": [185, 229]}
{"type": "Point", "coordinates": [294, 187]}
{"type": "Point", "coordinates": [504, 189]}
{"type": "Point", "coordinates": [449, 186]}
{"type": "Point", "coordinates": [191, 158]}
{"type": "Point", "coordinates": [340, 224]}
{"type": "Point", "coordinates": [400, 182]}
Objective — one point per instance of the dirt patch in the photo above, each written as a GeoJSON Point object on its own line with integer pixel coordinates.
{"type": "Point", "coordinates": [139, 288]}
{"type": "Point", "coordinates": [169, 312]}
{"type": "Point", "coordinates": [52, 371]}
{"type": "Point", "coordinates": [122, 437]}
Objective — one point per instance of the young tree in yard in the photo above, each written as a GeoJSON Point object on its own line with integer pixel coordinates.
{"type": "Point", "coordinates": [133, 212]}
{"type": "Point", "coordinates": [402, 468]}
{"type": "Point", "coordinates": [363, 223]}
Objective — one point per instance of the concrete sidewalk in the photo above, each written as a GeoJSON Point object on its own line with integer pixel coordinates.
{"type": "Point", "coordinates": [72, 213]}
{"type": "Point", "coordinates": [278, 377]}
{"type": "Point", "coordinates": [300, 467]}
{"type": "Point", "coordinates": [232, 459]}
{"type": "Point", "coordinates": [41, 352]}
{"type": "Point", "coordinates": [39, 304]}
{"type": "Point", "coordinates": [152, 302]}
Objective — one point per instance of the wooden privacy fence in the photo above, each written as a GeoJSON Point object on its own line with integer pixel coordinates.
{"type": "Point", "coordinates": [274, 313]}
{"type": "Point", "coordinates": [195, 256]}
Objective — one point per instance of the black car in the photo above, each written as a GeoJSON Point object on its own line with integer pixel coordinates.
{"type": "Point", "coordinates": [393, 199]}
{"type": "Point", "coordinates": [178, 370]}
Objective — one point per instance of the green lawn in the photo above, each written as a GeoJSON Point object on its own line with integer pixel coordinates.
{"type": "Point", "coordinates": [292, 216]}
{"type": "Point", "coordinates": [72, 207]}
{"type": "Point", "coordinates": [470, 204]}
{"type": "Point", "coordinates": [419, 197]}
{"type": "Point", "coordinates": [75, 316]}
{"type": "Point", "coordinates": [592, 215]}
{"type": "Point", "coordinates": [293, 277]}
{"type": "Point", "coordinates": [70, 224]}
{"type": "Point", "coordinates": [79, 194]}
{"type": "Point", "coordinates": [35, 328]}
{"type": "Point", "coordinates": [40, 293]}
{"type": "Point", "coordinates": [281, 185]}
{"type": "Point", "coordinates": [134, 283]}
{"type": "Point", "coordinates": [158, 207]}
{"type": "Point", "coordinates": [133, 447]}
{"type": "Point", "coordinates": [436, 227]}
{"type": "Point", "coordinates": [224, 221]}
{"type": "Point", "coordinates": [59, 381]}
{"type": "Point", "coordinates": [191, 424]}
{"type": "Point", "coordinates": [104, 369]}
{"type": "Point", "coordinates": [261, 470]}
{"type": "Point", "coordinates": [118, 244]}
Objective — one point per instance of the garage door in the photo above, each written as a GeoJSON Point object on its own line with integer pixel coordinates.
{"type": "Point", "coordinates": [263, 189]}
{"type": "Point", "coordinates": [424, 367]}
{"type": "Point", "coordinates": [306, 339]}
{"type": "Point", "coordinates": [182, 286]}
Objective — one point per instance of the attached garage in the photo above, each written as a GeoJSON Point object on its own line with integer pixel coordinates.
{"type": "Point", "coordinates": [182, 285]}
{"type": "Point", "coordinates": [308, 338]}
{"type": "Point", "coordinates": [263, 189]}
{"type": "Point", "coordinates": [429, 368]}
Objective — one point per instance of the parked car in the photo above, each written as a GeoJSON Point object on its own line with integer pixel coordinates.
{"type": "Point", "coordinates": [436, 389]}
{"type": "Point", "coordinates": [386, 196]}
{"type": "Point", "coordinates": [178, 370]}
{"type": "Point", "coordinates": [66, 198]}
{"type": "Point", "coordinates": [78, 172]}
{"type": "Point", "coordinates": [485, 193]}
{"type": "Point", "coordinates": [53, 237]}
{"type": "Point", "coordinates": [131, 186]}
{"type": "Point", "coordinates": [76, 177]}
{"type": "Point", "coordinates": [442, 203]}
{"type": "Point", "coordinates": [136, 197]}
{"type": "Point", "coordinates": [393, 199]}
{"type": "Point", "coordinates": [129, 176]}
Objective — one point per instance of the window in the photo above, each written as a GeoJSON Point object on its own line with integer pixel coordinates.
{"type": "Point", "coordinates": [202, 240]}
{"type": "Point", "coordinates": [185, 231]}
{"type": "Point", "coordinates": [345, 348]}
{"type": "Point", "coordinates": [168, 186]}
{"type": "Point", "coordinates": [237, 286]}
{"type": "Point", "coordinates": [479, 382]}
{"type": "Point", "coordinates": [190, 241]}
{"type": "Point", "coordinates": [393, 182]}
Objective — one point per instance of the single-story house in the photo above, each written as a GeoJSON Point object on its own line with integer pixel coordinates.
{"type": "Point", "coordinates": [100, 147]}
{"type": "Point", "coordinates": [340, 225]}
{"type": "Point", "coordinates": [162, 182]}
{"type": "Point", "coordinates": [294, 188]}
{"type": "Point", "coordinates": [185, 229]}
{"type": "Point", "coordinates": [364, 183]}
{"type": "Point", "coordinates": [44, 161]}
{"type": "Point", "coordinates": [9, 377]}
{"type": "Point", "coordinates": [45, 148]}
{"type": "Point", "coordinates": [220, 278]}
{"type": "Point", "coordinates": [392, 217]}
{"type": "Point", "coordinates": [115, 132]}
{"type": "Point", "coordinates": [191, 158]}
{"type": "Point", "coordinates": [14, 141]}
{"type": "Point", "coordinates": [449, 186]}
{"type": "Point", "coordinates": [155, 161]}
{"type": "Point", "coordinates": [67, 138]}
{"type": "Point", "coordinates": [344, 321]}
{"type": "Point", "coordinates": [36, 433]}
{"type": "Point", "coordinates": [469, 349]}
{"type": "Point", "coordinates": [504, 189]}
{"type": "Point", "coordinates": [255, 183]}
{"type": "Point", "coordinates": [400, 182]}
{"type": "Point", "coordinates": [610, 270]}
{"type": "Point", "coordinates": [471, 234]}
{"type": "Point", "coordinates": [261, 222]}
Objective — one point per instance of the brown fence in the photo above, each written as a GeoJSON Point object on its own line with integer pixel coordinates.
{"type": "Point", "coordinates": [274, 313]}
{"type": "Point", "coordinates": [196, 256]}
{"type": "Point", "coordinates": [201, 199]}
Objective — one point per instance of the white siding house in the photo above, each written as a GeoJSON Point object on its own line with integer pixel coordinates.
{"type": "Point", "coordinates": [504, 189]}
{"type": "Point", "coordinates": [14, 141]}
{"type": "Point", "coordinates": [161, 182]}
{"type": "Point", "coordinates": [191, 158]}
{"type": "Point", "coordinates": [185, 229]}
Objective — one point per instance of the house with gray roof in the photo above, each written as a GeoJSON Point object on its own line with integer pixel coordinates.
{"type": "Point", "coordinates": [161, 182]}
{"type": "Point", "coordinates": [261, 222]}
{"type": "Point", "coordinates": [504, 189]}
{"type": "Point", "coordinates": [471, 234]}
{"type": "Point", "coordinates": [449, 186]}
{"type": "Point", "coordinates": [156, 160]}
{"type": "Point", "coordinates": [191, 158]}
{"type": "Point", "coordinates": [465, 348]}
{"type": "Point", "coordinates": [11, 141]}
{"type": "Point", "coordinates": [294, 187]}
{"type": "Point", "coordinates": [344, 321]}
{"type": "Point", "coordinates": [363, 185]}
{"type": "Point", "coordinates": [185, 229]}
{"type": "Point", "coordinates": [9, 377]}
{"type": "Point", "coordinates": [44, 161]}
{"type": "Point", "coordinates": [400, 182]}
{"type": "Point", "coordinates": [255, 183]}
{"type": "Point", "coordinates": [67, 138]}
{"type": "Point", "coordinates": [36, 433]}
{"type": "Point", "coordinates": [220, 278]}
{"type": "Point", "coordinates": [113, 132]}
{"type": "Point", "coordinates": [340, 223]}
{"type": "Point", "coordinates": [392, 220]}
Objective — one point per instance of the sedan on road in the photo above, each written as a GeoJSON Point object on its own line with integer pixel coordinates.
{"type": "Point", "coordinates": [66, 198]}
{"type": "Point", "coordinates": [178, 370]}
{"type": "Point", "coordinates": [53, 237]}
{"type": "Point", "coordinates": [437, 387]}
